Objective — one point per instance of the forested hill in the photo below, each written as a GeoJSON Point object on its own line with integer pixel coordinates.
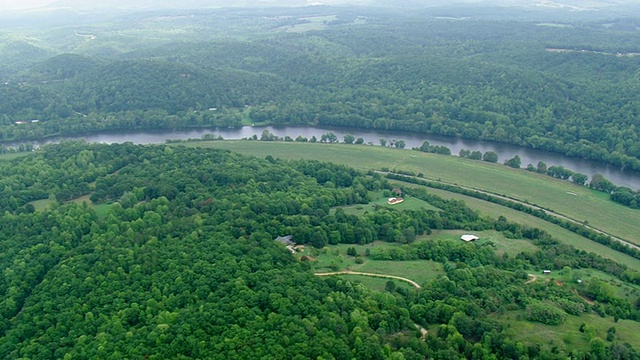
{"type": "Point", "coordinates": [175, 258]}
{"type": "Point", "coordinates": [568, 87]}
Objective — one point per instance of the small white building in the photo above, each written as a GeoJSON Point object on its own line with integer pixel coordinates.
{"type": "Point", "coordinates": [469, 237]}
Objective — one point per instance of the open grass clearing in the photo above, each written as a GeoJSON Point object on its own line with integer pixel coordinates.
{"type": "Point", "coordinates": [101, 209]}
{"type": "Point", "coordinates": [576, 202]}
{"type": "Point", "coordinates": [501, 243]}
{"type": "Point", "coordinates": [623, 290]}
{"type": "Point", "coordinates": [380, 200]}
{"type": "Point", "coordinates": [376, 284]}
{"type": "Point", "coordinates": [334, 258]}
{"type": "Point", "coordinates": [40, 205]}
{"type": "Point", "coordinates": [568, 335]}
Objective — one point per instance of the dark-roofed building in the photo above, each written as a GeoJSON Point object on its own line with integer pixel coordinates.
{"type": "Point", "coordinates": [285, 240]}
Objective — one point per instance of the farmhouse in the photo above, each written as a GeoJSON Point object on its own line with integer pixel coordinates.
{"type": "Point", "coordinates": [469, 237]}
{"type": "Point", "coordinates": [395, 200]}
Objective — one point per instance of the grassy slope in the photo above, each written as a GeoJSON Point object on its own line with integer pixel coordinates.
{"type": "Point", "coordinates": [577, 202]}
{"type": "Point", "coordinates": [502, 244]}
{"type": "Point", "coordinates": [420, 271]}
{"type": "Point", "coordinates": [567, 334]}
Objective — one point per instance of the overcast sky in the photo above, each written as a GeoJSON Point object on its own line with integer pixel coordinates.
{"type": "Point", "coordinates": [21, 4]}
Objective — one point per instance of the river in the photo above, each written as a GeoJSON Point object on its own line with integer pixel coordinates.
{"type": "Point", "coordinates": [528, 156]}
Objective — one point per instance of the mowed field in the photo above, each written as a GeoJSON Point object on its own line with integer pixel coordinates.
{"type": "Point", "coordinates": [577, 202]}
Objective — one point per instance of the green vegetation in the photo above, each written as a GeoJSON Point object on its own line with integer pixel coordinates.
{"type": "Point", "coordinates": [380, 198]}
{"type": "Point", "coordinates": [11, 156]}
{"type": "Point", "coordinates": [537, 189]}
{"type": "Point", "coordinates": [563, 235]}
{"type": "Point", "coordinates": [497, 239]}
{"type": "Point", "coordinates": [335, 258]}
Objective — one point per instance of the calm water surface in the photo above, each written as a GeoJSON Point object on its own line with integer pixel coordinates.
{"type": "Point", "coordinates": [504, 151]}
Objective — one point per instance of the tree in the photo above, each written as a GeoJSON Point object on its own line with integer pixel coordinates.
{"type": "Point", "coordinates": [580, 179]}
{"type": "Point", "coordinates": [475, 155]}
{"type": "Point", "coordinates": [383, 142]}
{"type": "Point", "coordinates": [351, 251]}
{"type": "Point", "coordinates": [349, 139]}
{"type": "Point", "coordinates": [542, 167]}
{"type": "Point", "coordinates": [514, 162]}
{"type": "Point", "coordinates": [390, 286]}
{"type": "Point", "coordinates": [359, 141]}
{"type": "Point", "coordinates": [400, 144]}
{"type": "Point", "coordinates": [267, 136]}
{"type": "Point", "coordinates": [490, 156]}
{"type": "Point", "coordinates": [600, 183]}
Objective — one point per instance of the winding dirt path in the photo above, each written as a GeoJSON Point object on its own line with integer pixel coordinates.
{"type": "Point", "coordinates": [349, 272]}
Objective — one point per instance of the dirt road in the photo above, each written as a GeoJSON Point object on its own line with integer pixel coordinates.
{"type": "Point", "coordinates": [349, 272]}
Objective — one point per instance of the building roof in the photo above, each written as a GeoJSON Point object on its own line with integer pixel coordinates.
{"type": "Point", "coordinates": [469, 237]}
{"type": "Point", "coordinates": [285, 240]}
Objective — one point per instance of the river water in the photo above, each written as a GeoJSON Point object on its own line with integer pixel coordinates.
{"type": "Point", "coordinates": [504, 151]}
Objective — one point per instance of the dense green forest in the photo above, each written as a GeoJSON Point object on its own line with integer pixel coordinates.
{"type": "Point", "coordinates": [567, 86]}
{"type": "Point", "coordinates": [175, 257]}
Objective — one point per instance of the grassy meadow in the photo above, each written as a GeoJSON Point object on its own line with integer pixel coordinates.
{"type": "Point", "coordinates": [568, 335]}
{"type": "Point", "coordinates": [409, 203]}
{"type": "Point", "coordinates": [500, 242]}
{"type": "Point", "coordinates": [334, 258]}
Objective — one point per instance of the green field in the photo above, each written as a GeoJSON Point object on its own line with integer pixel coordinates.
{"type": "Point", "coordinates": [335, 258]}
{"type": "Point", "coordinates": [376, 284]}
{"type": "Point", "coordinates": [576, 202]}
{"type": "Point", "coordinates": [409, 203]}
{"type": "Point", "coordinates": [100, 209]}
{"type": "Point", "coordinates": [501, 243]}
{"type": "Point", "coordinates": [567, 335]}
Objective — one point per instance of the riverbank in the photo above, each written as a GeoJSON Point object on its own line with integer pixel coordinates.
{"type": "Point", "coordinates": [504, 151]}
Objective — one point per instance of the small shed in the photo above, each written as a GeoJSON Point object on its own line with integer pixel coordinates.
{"type": "Point", "coordinates": [546, 272]}
{"type": "Point", "coordinates": [469, 237]}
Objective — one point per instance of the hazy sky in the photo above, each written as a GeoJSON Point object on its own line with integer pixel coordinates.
{"type": "Point", "coordinates": [21, 4]}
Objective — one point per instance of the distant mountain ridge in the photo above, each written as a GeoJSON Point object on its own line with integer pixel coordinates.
{"type": "Point", "coordinates": [196, 4]}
